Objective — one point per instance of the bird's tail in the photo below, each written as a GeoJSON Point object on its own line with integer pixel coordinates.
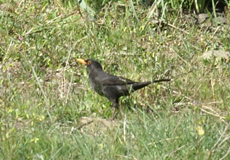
{"type": "Point", "coordinates": [161, 80]}
{"type": "Point", "coordinates": [140, 85]}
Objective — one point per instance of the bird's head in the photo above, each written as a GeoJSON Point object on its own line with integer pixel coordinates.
{"type": "Point", "coordinates": [91, 64]}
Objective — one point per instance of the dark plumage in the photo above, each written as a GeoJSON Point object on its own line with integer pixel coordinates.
{"type": "Point", "coordinates": [110, 86]}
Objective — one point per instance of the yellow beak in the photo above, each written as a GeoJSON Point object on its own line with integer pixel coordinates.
{"type": "Point", "coordinates": [81, 61]}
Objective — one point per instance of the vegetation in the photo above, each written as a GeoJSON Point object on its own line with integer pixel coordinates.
{"type": "Point", "coordinates": [49, 111]}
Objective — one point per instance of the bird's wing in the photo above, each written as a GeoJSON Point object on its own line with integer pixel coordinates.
{"type": "Point", "coordinates": [114, 80]}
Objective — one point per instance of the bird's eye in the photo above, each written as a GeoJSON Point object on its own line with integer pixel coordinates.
{"type": "Point", "coordinates": [88, 62]}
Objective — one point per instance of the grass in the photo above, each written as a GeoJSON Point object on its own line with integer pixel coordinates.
{"type": "Point", "coordinates": [49, 111]}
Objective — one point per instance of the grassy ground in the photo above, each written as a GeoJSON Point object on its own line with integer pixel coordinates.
{"type": "Point", "coordinates": [49, 111]}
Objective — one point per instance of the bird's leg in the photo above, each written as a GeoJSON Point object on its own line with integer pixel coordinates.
{"type": "Point", "coordinates": [115, 108]}
{"type": "Point", "coordinates": [113, 114]}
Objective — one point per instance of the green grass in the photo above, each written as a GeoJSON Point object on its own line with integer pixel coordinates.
{"type": "Point", "coordinates": [49, 111]}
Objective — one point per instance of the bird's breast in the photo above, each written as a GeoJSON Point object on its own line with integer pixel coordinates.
{"type": "Point", "coordinates": [96, 85]}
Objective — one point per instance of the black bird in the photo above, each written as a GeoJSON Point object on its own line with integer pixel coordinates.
{"type": "Point", "coordinates": [110, 86]}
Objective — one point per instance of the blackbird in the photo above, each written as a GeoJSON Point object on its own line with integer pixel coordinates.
{"type": "Point", "coordinates": [110, 86]}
